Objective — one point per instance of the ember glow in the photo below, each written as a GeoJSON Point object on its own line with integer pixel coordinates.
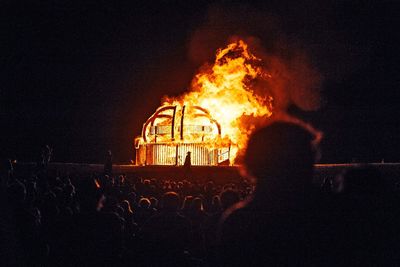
{"type": "Point", "coordinates": [224, 91]}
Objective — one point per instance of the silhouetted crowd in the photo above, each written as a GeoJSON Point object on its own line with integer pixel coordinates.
{"type": "Point", "coordinates": [277, 216]}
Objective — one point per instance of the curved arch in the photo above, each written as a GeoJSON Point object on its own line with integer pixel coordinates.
{"type": "Point", "coordinates": [158, 115]}
{"type": "Point", "coordinates": [208, 115]}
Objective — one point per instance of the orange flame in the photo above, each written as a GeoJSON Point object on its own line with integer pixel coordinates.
{"type": "Point", "coordinates": [225, 91]}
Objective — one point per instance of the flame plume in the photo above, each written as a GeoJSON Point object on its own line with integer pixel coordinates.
{"type": "Point", "coordinates": [224, 89]}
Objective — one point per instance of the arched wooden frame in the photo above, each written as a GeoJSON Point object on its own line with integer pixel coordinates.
{"type": "Point", "coordinates": [157, 114]}
{"type": "Point", "coordinates": [206, 114]}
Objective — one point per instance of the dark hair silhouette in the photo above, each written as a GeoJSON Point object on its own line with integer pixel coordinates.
{"type": "Point", "coordinates": [281, 154]}
{"type": "Point", "coordinates": [170, 201]}
{"type": "Point", "coordinates": [228, 198]}
{"type": "Point", "coordinates": [279, 217]}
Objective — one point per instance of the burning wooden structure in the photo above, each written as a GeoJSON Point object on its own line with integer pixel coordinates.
{"type": "Point", "coordinates": [187, 123]}
{"type": "Point", "coordinates": [173, 131]}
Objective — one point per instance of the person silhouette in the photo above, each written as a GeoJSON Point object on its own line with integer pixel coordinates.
{"type": "Point", "coordinates": [188, 160]}
{"type": "Point", "coordinates": [275, 225]}
{"type": "Point", "coordinates": [108, 163]}
{"type": "Point", "coordinates": [187, 165]}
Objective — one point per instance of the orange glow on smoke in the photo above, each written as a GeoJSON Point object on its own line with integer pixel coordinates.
{"type": "Point", "coordinates": [224, 89]}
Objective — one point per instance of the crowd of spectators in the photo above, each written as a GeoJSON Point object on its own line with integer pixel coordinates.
{"type": "Point", "coordinates": [107, 220]}
{"type": "Point", "coordinates": [280, 218]}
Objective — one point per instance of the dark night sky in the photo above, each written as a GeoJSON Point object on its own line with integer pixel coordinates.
{"type": "Point", "coordinates": [83, 76]}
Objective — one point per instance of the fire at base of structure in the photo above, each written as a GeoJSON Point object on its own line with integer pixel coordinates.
{"type": "Point", "coordinates": [173, 131]}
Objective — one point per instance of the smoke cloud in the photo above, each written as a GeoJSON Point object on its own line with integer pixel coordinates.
{"type": "Point", "coordinates": [291, 78]}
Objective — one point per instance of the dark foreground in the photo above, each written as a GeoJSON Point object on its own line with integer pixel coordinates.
{"type": "Point", "coordinates": [73, 215]}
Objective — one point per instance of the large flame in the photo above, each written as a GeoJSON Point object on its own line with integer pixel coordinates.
{"type": "Point", "coordinates": [225, 91]}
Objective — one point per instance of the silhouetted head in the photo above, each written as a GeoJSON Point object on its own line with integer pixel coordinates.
{"type": "Point", "coordinates": [90, 194]}
{"type": "Point", "coordinates": [126, 206]}
{"type": "Point", "coordinates": [69, 190]}
{"type": "Point", "coordinates": [281, 155]}
{"type": "Point", "coordinates": [154, 202]}
{"type": "Point", "coordinates": [209, 186]}
{"type": "Point", "coordinates": [120, 211]}
{"type": "Point", "coordinates": [187, 202]}
{"type": "Point", "coordinates": [216, 204]}
{"type": "Point", "coordinates": [170, 201]}
{"type": "Point", "coordinates": [197, 204]}
{"type": "Point", "coordinates": [144, 203]}
{"type": "Point", "coordinates": [229, 197]}
{"type": "Point", "coordinates": [121, 179]}
{"type": "Point", "coordinates": [132, 197]}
